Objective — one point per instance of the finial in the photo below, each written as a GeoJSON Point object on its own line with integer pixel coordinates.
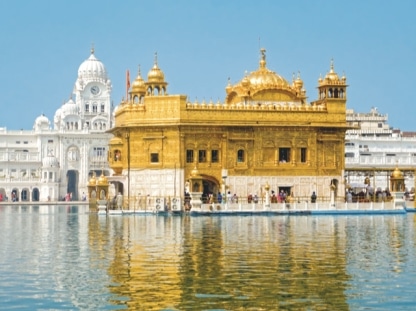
{"type": "Point", "coordinates": [332, 65]}
{"type": "Point", "coordinates": [92, 48]}
{"type": "Point", "coordinates": [263, 58]}
{"type": "Point", "coordinates": [139, 71]}
{"type": "Point", "coordinates": [263, 53]}
{"type": "Point", "coordinates": [156, 58]}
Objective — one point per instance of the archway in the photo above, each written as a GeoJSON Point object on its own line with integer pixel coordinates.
{"type": "Point", "coordinates": [35, 195]}
{"type": "Point", "coordinates": [210, 186]}
{"type": "Point", "coordinates": [72, 178]}
{"type": "Point", "coordinates": [25, 195]}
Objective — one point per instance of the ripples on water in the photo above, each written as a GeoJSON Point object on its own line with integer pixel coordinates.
{"type": "Point", "coordinates": [63, 258]}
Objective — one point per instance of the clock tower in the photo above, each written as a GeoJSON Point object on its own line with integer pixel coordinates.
{"type": "Point", "coordinates": [92, 90]}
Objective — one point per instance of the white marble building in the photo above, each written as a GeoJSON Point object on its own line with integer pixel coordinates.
{"type": "Point", "coordinates": [53, 160]}
{"type": "Point", "coordinates": [374, 149]}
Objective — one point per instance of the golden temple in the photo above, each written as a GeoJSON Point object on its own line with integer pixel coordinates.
{"type": "Point", "coordinates": [264, 132]}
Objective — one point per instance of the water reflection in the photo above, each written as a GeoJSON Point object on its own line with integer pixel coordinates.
{"type": "Point", "coordinates": [66, 258]}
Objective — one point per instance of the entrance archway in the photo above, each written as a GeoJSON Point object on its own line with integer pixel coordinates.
{"type": "Point", "coordinates": [72, 178]}
{"type": "Point", "coordinates": [209, 186]}
{"type": "Point", "coordinates": [35, 195]}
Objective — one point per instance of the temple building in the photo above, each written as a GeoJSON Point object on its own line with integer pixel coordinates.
{"type": "Point", "coordinates": [374, 150]}
{"type": "Point", "coordinates": [55, 159]}
{"type": "Point", "coordinates": [265, 132]}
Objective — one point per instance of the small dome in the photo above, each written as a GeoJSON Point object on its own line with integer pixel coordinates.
{"type": "Point", "coordinates": [195, 172]}
{"type": "Point", "coordinates": [102, 180]}
{"type": "Point", "coordinates": [138, 85]}
{"type": "Point", "coordinates": [397, 174]}
{"type": "Point", "coordinates": [69, 108]}
{"type": "Point", "coordinates": [155, 75]}
{"type": "Point", "coordinates": [332, 75]}
{"type": "Point", "coordinates": [41, 123]}
{"type": "Point", "coordinates": [92, 181]}
{"type": "Point", "coordinates": [298, 82]}
{"type": "Point", "coordinates": [92, 68]}
{"type": "Point", "coordinates": [50, 161]}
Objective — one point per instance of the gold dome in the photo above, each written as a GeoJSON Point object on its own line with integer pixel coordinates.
{"type": "Point", "coordinates": [138, 84]}
{"type": "Point", "coordinates": [155, 75]}
{"type": "Point", "coordinates": [332, 76]}
{"type": "Point", "coordinates": [263, 77]}
{"type": "Point", "coordinates": [263, 84]}
{"type": "Point", "coordinates": [195, 172]}
{"type": "Point", "coordinates": [92, 181]}
{"type": "Point", "coordinates": [397, 174]}
{"type": "Point", "coordinates": [102, 180]}
{"type": "Point", "coordinates": [298, 82]}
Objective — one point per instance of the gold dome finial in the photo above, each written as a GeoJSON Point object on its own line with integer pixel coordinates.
{"type": "Point", "coordinates": [263, 58]}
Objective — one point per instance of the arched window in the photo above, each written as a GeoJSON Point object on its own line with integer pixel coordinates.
{"type": "Point", "coordinates": [240, 156]}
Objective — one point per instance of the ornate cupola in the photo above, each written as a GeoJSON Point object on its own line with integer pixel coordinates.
{"type": "Point", "coordinates": [332, 86]}
{"type": "Point", "coordinates": [156, 84]}
{"type": "Point", "coordinates": [264, 85]}
{"type": "Point", "coordinates": [138, 89]}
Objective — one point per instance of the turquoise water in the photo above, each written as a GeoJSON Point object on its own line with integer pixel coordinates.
{"type": "Point", "coordinates": [64, 258]}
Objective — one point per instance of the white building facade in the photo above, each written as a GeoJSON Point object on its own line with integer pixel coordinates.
{"type": "Point", "coordinates": [52, 161]}
{"type": "Point", "coordinates": [374, 149]}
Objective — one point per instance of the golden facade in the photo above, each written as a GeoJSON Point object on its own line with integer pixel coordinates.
{"type": "Point", "coordinates": [265, 132]}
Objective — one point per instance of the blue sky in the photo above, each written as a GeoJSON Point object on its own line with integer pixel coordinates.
{"type": "Point", "coordinates": [200, 44]}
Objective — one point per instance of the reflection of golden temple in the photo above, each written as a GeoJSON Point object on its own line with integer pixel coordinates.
{"type": "Point", "coordinates": [265, 130]}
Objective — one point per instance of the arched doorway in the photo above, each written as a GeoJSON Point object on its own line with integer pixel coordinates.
{"type": "Point", "coordinates": [72, 178]}
{"type": "Point", "coordinates": [35, 195]}
{"type": "Point", "coordinates": [25, 195]}
{"type": "Point", "coordinates": [209, 186]}
{"type": "Point", "coordinates": [15, 195]}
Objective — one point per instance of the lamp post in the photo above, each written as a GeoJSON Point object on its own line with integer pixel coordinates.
{"type": "Point", "coordinates": [127, 135]}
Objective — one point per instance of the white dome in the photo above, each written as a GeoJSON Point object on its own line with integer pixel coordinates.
{"type": "Point", "coordinates": [41, 123]}
{"type": "Point", "coordinates": [92, 68]}
{"type": "Point", "coordinates": [69, 108]}
{"type": "Point", "coordinates": [50, 161]}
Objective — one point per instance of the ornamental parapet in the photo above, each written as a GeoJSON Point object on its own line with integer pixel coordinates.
{"type": "Point", "coordinates": [278, 106]}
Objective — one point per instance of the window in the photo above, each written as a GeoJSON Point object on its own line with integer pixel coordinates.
{"type": "Point", "coordinates": [214, 156]}
{"type": "Point", "coordinates": [240, 156]}
{"type": "Point", "coordinates": [99, 151]}
{"type": "Point", "coordinates": [154, 158]}
{"type": "Point", "coordinates": [94, 108]}
{"type": "Point", "coordinates": [25, 142]}
{"type": "Point", "coordinates": [303, 155]}
{"type": "Point", "coordinates": [349, 154]}
{"type": "Point", "coordinates": [202, 156]}
{"type": "Point", "coordinates": [102, 108]}
{"type": "Point", "coordinates": [189, 156]}
{"type": "Point", "coordinates": [284, 155]}
{"type": "Point", "coordinates": [87, 108]}
{"type": "Point", "coordinates": [50, 141]}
